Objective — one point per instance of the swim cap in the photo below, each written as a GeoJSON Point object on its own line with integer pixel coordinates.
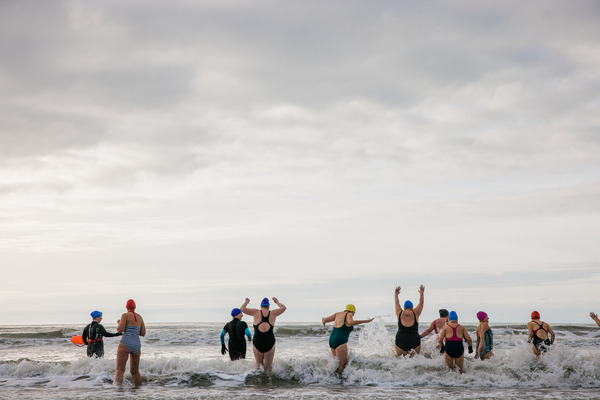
{"type": "Point", "coordinates": [535, 315]}
{"type": "Point", "coordinates": [96, 314]}
{"type": "Point", "coordinates": [265, 302]}
{"type": "Point", "coordinates": [351, 308]}
{"type": "Point", "coordinates": [443, 312]}
{"type": "Point", "coordinates": [481, 315]}
{"type": "Point", "coordinates": [130, 305]}
{"type": "Point", "coordinates": [453, 316]}
{"type": "Point", "coordinates": [235, 312]}
{"type": "Point", "coordinates": [408, 304]}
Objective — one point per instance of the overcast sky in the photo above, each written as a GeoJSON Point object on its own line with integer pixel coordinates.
{"type": "Point", "coordinates": [190, 154]}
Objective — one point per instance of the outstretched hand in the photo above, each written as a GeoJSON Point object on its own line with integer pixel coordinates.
{"type": "Point", "coordinates": [275, 300]}
{"type": "Point", "coordinates": [397, 291]}
{"type": "Point", "coordinates": [593, 316]}
{"type": "Point", "coordinates": [421, 289]}
{"type": "Point", "coordinates": [247, 300]}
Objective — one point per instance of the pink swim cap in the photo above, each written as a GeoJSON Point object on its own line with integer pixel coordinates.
{"type": "Point", "coordinates": [481, 315]}
{"type": "Point", "coordinates": [130, 305]}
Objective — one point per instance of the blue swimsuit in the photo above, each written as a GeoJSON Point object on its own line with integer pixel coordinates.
{"type": "Point", "coordinates": [131, 338]}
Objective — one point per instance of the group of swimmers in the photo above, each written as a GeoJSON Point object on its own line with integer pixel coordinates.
{"type": "Point", "coordinates": [451, 334]}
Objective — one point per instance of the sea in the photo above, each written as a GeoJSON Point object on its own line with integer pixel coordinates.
{"type": "Point", "coordinates": [183, 361]}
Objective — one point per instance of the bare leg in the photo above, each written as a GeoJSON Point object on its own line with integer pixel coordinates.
{"type": "Point", "coordinates": [400, 352]}
{"type": "Point", "coordinates": [460, 362]}
{"type": "Point", "coordinates": [122, 356]}
{"type": "Point", "coordinates": [268, 359]}
{"type": "Point", "coordinates": [535, 350]}
{"type": "Point", "coordinates": [488, 355]}
{"type": "Point", "coordinates": [341, 353]}
{"type": "Point", "coordinates": [134, 368]}
{"type": "Point", "coordinates": [415, 351]}
{"type": "Point", "coordinates": [449, 361]}
{"type": "Point", "coordinates": [258, 357]}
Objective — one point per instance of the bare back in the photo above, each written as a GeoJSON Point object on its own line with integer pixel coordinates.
{"type": "Point", "coordinates": [131, 319]}
{"type": "Point", "coordinates": [342, 318]}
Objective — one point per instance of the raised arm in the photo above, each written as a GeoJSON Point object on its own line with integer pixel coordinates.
{"type": "Point", "coordinates": [595, 318]}
{"type": "Point", "coordinates": [246, 310]}
{"type": "Point", "coordinates": [281, 308]}
{"type": "Point", "coordinates": [419, 308]}
{"type": "Point", "coordinates": [397, 302]}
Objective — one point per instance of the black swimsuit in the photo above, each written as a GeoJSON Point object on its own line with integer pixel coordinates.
{"type": "Point", "coordinates": [264, 341]}
{"type": "Point", "coordinates": [408, 337]}
{"type": "Point", "coordinates": [539, 343]}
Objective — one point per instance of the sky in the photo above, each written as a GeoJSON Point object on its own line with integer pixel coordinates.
{"type": "Point", "coordinates": [191, 154]}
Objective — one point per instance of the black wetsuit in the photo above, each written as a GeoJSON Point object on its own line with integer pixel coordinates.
{"type": "Point", "coordinates": [264, 341]}
{"type": "Point", "coordinates": [92, 336]}
{"type": "Point", "coordinates": [237, 341]}
{"type": "Point", "coordinates": [408, 337]}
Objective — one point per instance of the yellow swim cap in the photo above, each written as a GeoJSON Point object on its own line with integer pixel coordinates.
{"type": "Point", "coordinates": [350, 307]}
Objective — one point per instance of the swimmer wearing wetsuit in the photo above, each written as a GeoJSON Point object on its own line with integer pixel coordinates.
{"type": "Point", "coordinates": [540, 334]}
{"type": "Point", "coordinates": [343, 324]}
{"type": "Point", "coordinates": [236, 328]}
{"type": "Point", "coordinates": [454, 349]}
{"type": "Point", "coordinates": [92, 336]}
{"type": "Point", "coordinates": [408, 339]}
{"type": "Point", "coordinates": [263, 344]}
{"type": "Point", "coordinates": [132, 325]}
{"type": "Point", "coordinates": [485, 337]}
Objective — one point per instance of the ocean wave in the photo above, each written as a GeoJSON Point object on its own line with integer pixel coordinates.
{"type": "Point", "coordinates": [561, 367]}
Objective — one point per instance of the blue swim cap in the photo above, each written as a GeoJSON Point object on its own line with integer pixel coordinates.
{"type": "Point", "coordinates": [408, 304]}
{"type": "Point", "coordinates": [265, 302]}
{"type": "Point", "coordinates": [235, 312]}
{"type": "Point", "coordinates": [453, 316]}
{"type": "Point", "coordinates": [96, 314]}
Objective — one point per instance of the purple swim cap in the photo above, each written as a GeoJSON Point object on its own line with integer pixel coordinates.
{"type": "Point", "coordinates": [481, 315]}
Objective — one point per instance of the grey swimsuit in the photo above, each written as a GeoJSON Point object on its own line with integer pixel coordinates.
{"type": "Point", "coordinates": [131, 339]}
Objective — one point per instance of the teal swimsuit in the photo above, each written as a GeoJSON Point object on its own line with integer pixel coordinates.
{"type": "Point", "coordinates": [340, 335]}
{"type": "Point", "coordinates": [488, 342]}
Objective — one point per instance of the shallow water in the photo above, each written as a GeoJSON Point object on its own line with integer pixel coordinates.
{"type": "Point", "coordinates": [183, 361]}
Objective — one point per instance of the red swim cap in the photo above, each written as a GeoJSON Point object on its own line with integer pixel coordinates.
{"type": "Point", "coordinates": [130, 305]}
{"type": "Point", "coordinates": [535, 315]}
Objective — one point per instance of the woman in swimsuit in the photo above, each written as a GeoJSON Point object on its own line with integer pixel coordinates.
{"type": "Point", "coordinates": [538, 334]}
{"type": "Point", "coordinates": [343, 324]}
{"type": "Point", "coordinates": [132, 326]}
{"type": "Point", "coordinates": [485, 337]}
{"type": "Point", "coordinates": [454, 349]}
{"type": "Point", "coordinates": [264, 339]}
{"type": "Point", "coordinates": [408, 338]}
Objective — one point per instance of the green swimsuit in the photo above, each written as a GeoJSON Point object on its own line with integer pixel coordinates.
{"type": "Point", "coordinates": [340, 335]}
